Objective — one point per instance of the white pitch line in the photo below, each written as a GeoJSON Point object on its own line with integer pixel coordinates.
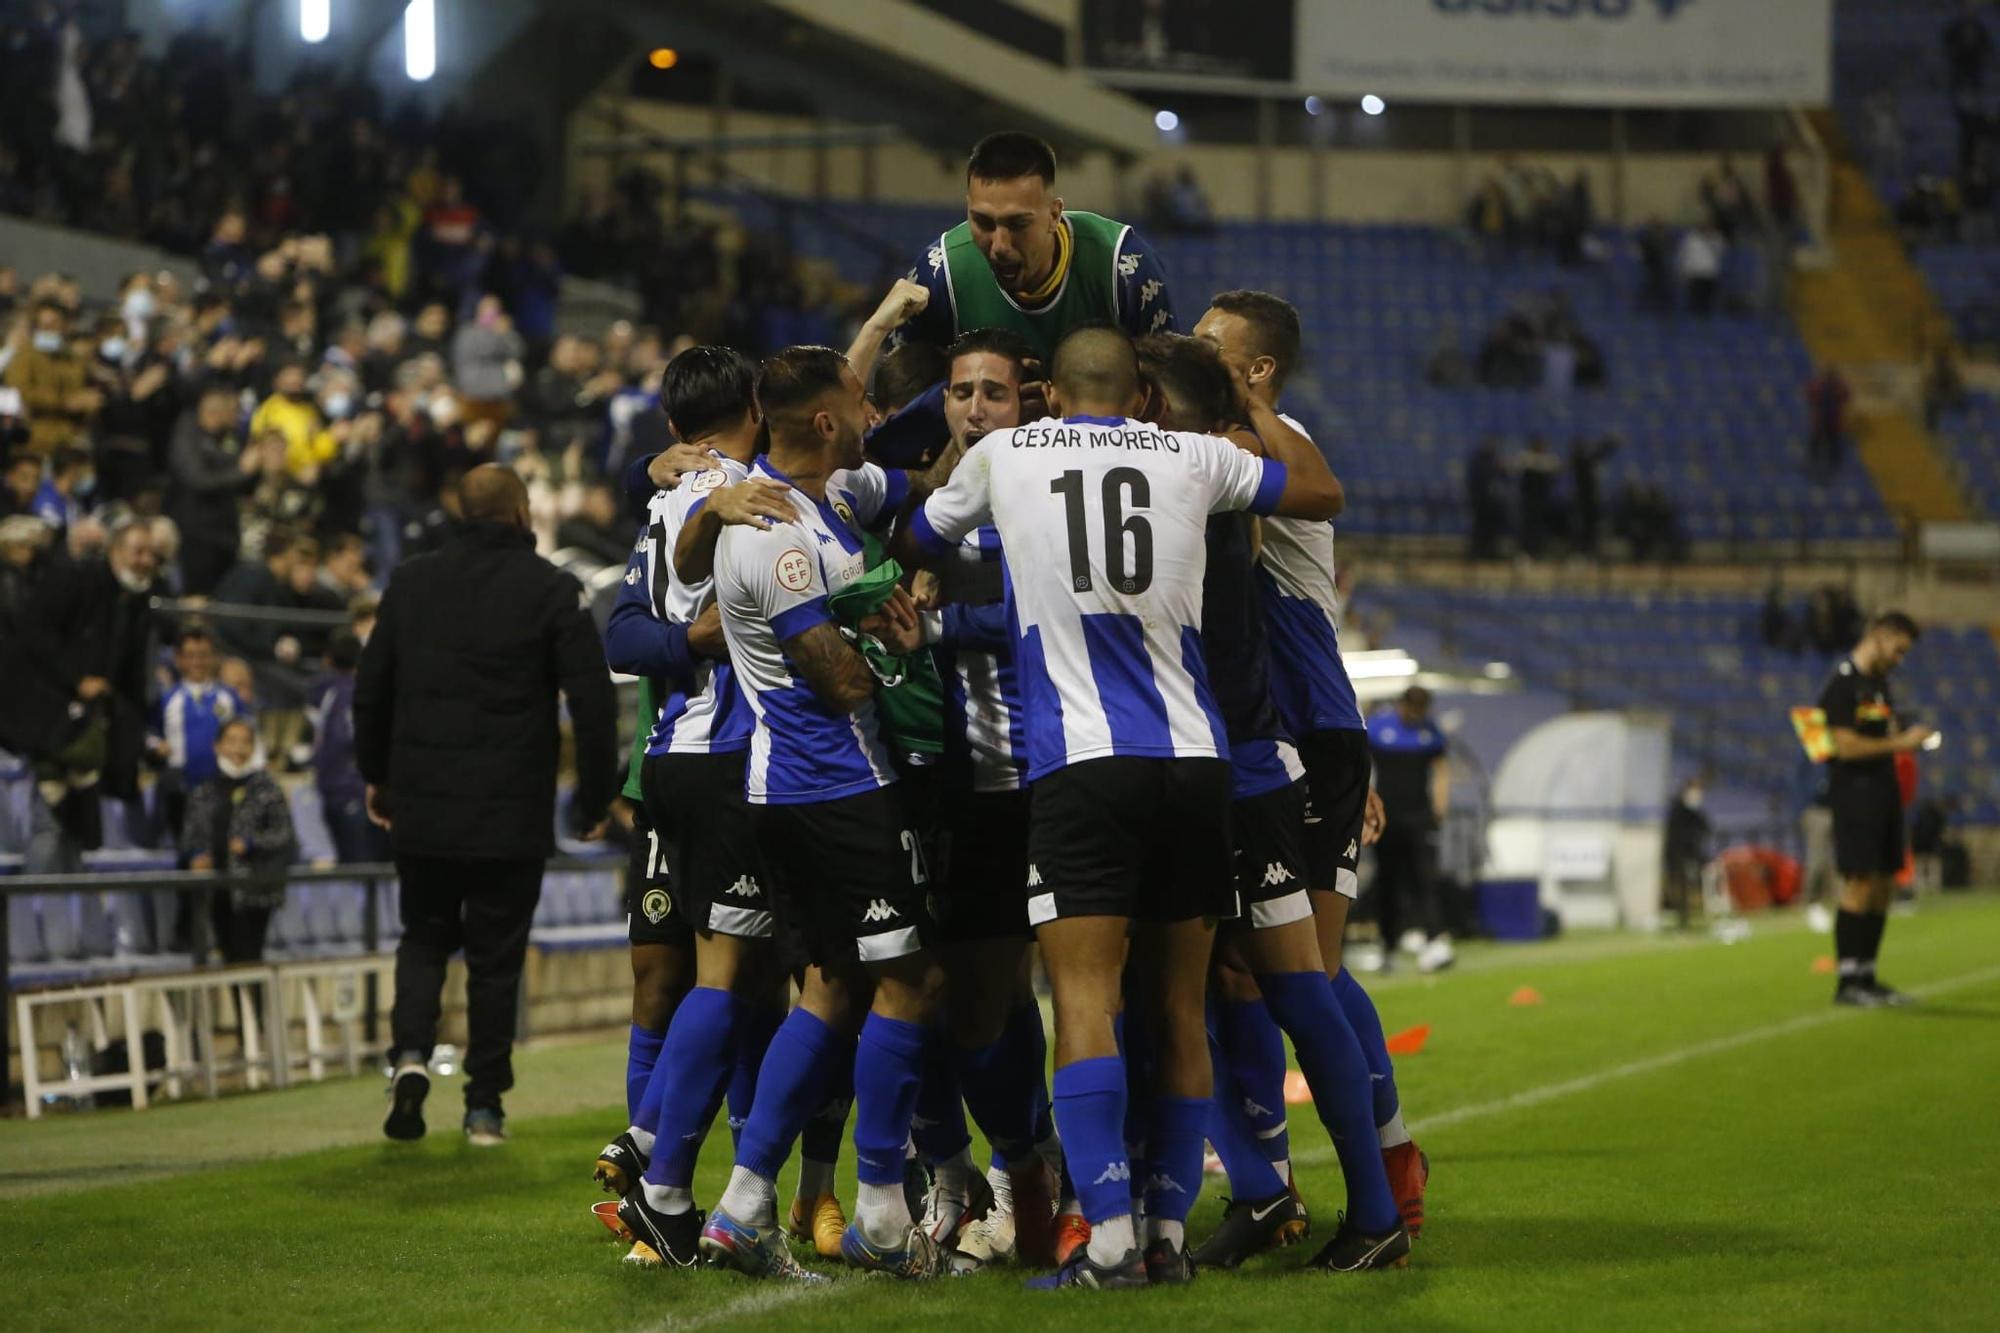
{"type": "Point", "coordinates": [767, 1297]}
{"type": "Point", "coordinates": [1549, 1092]}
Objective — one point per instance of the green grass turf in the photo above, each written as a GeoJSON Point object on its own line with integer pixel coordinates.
{"type": "Point", "coordinates": [1682, 1134]}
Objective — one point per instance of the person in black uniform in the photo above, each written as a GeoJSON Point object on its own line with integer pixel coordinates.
{"type": "Point", "coordinates": [1413, 777]}
{"type": "Point", "coordinates": [1866, 801]}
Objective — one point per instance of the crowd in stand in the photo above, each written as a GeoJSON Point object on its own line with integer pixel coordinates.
{"type": "Point", "coordinates": [1541, 503]}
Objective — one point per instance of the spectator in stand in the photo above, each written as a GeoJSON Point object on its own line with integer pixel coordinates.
{"type": "Point", "coordinates": [599, 527]}
{"type": "Point", "coordinates": [227, 263]}
{"type": "Point", "coordinates": [1699, 263]}
{"type": "Point", "coordinates": [571, 392]}
{"type": "Point", "coordinates": [239, 823]}
{"type": "Point", "coordinates": [192, 716]}
{"type": "Point", "coordinates": [1727, 200]}
{"type": "Point", "coordinates": [1538, 466]}
{"type": "Point", "coordinates": [486, 363]}
{"type": "Point", "coordinates": [53, 381]}
{"type": "Point", "coordinates": [431, 331]}
{"type": "Point", "coordinates": [1967, 48]}
{"type": "Point", "coordinates": [1486, 497]}
{"type": "Point", "coordinates": [1781, 195]}
{"type": "Point", "coordinates": [306, 590]}
{"type": "Point", "coordinates": [1657, 261]}
{"type": "Point", "coordinates": [342, 794]}
{"type": "Point", "coordinates": [451, 241]}
{"type": "Point", "coordinates": [265, 585]}
{"type": "Point", "coordinates": [1649, 523]}
{"type": "Point", "coordinates": [1944, 384]}
{"type": "Point", "coordinates": [1586, 462]}
{"type": "Point", "coordinates": [58, 500]}
{"type": "Point", "coordinates": [344, 571]}
{"type": "Point", "coordinates": [1827, 396]}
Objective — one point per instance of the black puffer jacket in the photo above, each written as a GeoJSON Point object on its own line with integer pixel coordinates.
{"type": "Point", "coordinates": [455, 705]}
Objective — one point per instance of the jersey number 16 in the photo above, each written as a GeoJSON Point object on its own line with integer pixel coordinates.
{"type": "Point", "coordinates": [1122, 486]}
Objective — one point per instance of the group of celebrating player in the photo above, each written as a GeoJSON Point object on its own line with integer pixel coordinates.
{"type": "Point", "coordinates": [998, 656]}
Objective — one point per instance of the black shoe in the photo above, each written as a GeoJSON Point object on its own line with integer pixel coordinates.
{"type": "Point", "coordinates": [1888, 995]}
{"type": "Point", "coordinates": [1168, 1265]}
{"type": "Point", "coordinates": [407, 1090]}
{"type": "Point", "coordinates": [485, 1126]}
{"type": "Point", "coordinates": [619, 1166]}
{"type": "Point", "coordinates": [1252, 1226]}
{"type": "Point", "coordinates": [675, 1237]}
{"type": "Point", "coordinates": [1081, 1272]}
{"type": "Point", "coordinates": [1858, 994]}
{"type": "Point", "coordinates": [1352, 1251]}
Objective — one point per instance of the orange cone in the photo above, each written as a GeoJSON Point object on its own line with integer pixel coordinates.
{"type": "Point", "coordinates": [1525, 996]}
{"type": "Point", "coordinates": [1822, 966]}
{"type": "Point", "coordinates": [1410, 1040]}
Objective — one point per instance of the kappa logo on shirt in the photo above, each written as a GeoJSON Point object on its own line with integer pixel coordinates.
{"type": "Point", "coordinates": [1034, 877]}
{"type": "Point", "coordinates": [632, 578]}
{"type": "Point", "coordinates": [1276, 874]}
{"type": "Point", "coordinates": [744, 887]}
{"type": "Point", "coordinates": [825, 538]}
{"type": "Point", "coordinates": [794, 570]}
{"type": "Point", "coordinates": [1129, 264]}
{"type": "Point", "coordinates": [879, 910]}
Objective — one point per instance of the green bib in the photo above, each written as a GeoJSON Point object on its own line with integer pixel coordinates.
{"type": "Point", "coordinates": [1088, 292]}
{"type": "Point", "coordinates": [910, 704]}
{"type": "Point", "coordinates": [648, 715]}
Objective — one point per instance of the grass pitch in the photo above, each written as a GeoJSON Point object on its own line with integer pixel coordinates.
{"type": "Point", "coordinates": [1678, 1134]}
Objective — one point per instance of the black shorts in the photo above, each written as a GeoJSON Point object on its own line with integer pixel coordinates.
{"type": "Point", "coordinates": [1868, 835]}
{"type": "Point", "coordinates": [650, 917]}
{"type": "Point", "coordinates": [717, 875]}
{"type": "Point", "coordinates": [1337, 773]}
{"type": "Point", "coordinates": [1270, 846]}
{"type": "Point", "coordinates": [1146, 839]}
{"type": "Point", "coordinates": [849, 876]}
{"type": "Point", "coordinates": [983, 867]}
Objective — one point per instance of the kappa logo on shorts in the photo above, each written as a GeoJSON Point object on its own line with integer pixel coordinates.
{"type": "Point", "coordinates": [1353, 849]}
{"type": "Point", "coordinates": [879, 910]}
{"type": "Point", "coordinates": [1252, 1109]}
{"type": "Point", "coordinates": [794, 570]}
{"type": "Point", "coordinates": [1114, 1173]}
{"type": "Point", "coordinates": [1161, 1183]}
{"type": "Point", "coordinates": [656, 905]}
{"type": "Point", "coordinates": [744, 887]}
{"type": "Point", "coordinates": [1034, 877]}
{"type": "Point", "coordinates": [1275, 874]}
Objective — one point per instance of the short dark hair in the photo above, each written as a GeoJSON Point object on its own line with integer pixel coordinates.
{"type": "Point", "coordinates": [1273, 319]}
{"type": "Point", "coordinates": [1010, 154]}
{"type": "Point", "coordinates": [1191, 372]}
{"type": "Point", "coordinates": [706, 387]}
{"type": "Point", "coordinates": [907, 371]}
{"type": "Point", "coordinates": [66, 456]}
{"type": "Point", "coordinates": [1899, 622]}
{"type": "Point", "coordinates": [996, 342]}
{"type": "Point", "coordinates": [22, 457]}
{"type": "Point", "coordinates": [343, 650]}
{"type": "Point", "coordinates": [1089, 362]}
{"type": "Point", "coordinates": [797, 377]}
{"type": "Point", "coordinates": [192, 634]}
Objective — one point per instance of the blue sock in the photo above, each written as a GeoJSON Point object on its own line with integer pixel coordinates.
{"type": "Point", "coordinates": [888, 1069]}
{"type": "Point", "coordinates": [1254, 1049]}
{"type": "Point", "coordinates": [804, 1054]}
{"type": "Point", "coordinates": [1002, 1084]}
{"type": "Point", "coordinates": [1329, 1053]}
{"type": "Point", "coordinates": [693, 1069]}
{"type": "Point", "coordinates": [1367, 1025]}
{"type": "Point", "coordinates": [937, 1121]}
{"type": "Point", "coordinates": [1090, 1112]}
{"type": "Point", "coordinates": [1173, 1150]}
{"type": "Point", "coordinates": [1251, 1174]}
{"type": "Point", "coordinates": [642, 1052]}
{"type": "Point", "coordinates": [1030, 1044]}
{"type": "Point", "coordinates": [825, 1131]}
{"type": "Point", "coordinates": [760, 1024]}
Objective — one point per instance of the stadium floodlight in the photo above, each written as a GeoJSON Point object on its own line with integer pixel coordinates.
{"type": "Point", "coordinates": [420, 52]}
{"type": "Point", "coordinates": [315, 20]}
{"type": "Point", "coordinates": [1373, 105]}
{"type": "Point", "coordinates": [1314, 106]}
{"type": "Point", "coordinates": [1166, 121]}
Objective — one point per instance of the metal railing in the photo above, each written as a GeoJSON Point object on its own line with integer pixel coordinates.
{"type": "Point", "coordinates": [204, 885]}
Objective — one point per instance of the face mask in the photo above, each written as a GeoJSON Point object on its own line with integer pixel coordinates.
{"type": "Point", "coordinates": [231, 769]}
{"type": "Point", "coordinates": [84, 487]}
{"type": "Point", "coordinates": [140, 305]}
{"type": "Point", "coordinates": [47, 340]}
{"type": "Point", "coordinates": [338, 405]}
{"type": "Point", "coordinates": [113, 350]}
{"type": "Point", "coordinates": [132, 581]}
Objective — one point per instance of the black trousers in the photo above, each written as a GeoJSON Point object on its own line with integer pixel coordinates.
{"type": "Point", "coordinates": [484, 908]}
{"type": "Point", "coordinates": [1405, 888]}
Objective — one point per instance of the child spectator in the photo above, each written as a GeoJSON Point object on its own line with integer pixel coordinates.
{"type": "Point", "coordinates": [239, 822]}
{"type": "Point", "coordinates": [191, 719]}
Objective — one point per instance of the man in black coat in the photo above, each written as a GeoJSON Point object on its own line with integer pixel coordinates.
{"type": "Point", "coordinates": [455, 731]}
{"type": "Point", "coordinates": [209, 473]}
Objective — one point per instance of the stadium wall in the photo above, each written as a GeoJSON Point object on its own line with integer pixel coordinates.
{"type": "Point", "coordinates": [1278, 183]}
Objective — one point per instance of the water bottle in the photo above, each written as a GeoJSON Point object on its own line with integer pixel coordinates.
{"type": "Point", "coordinates": [76, 1064]}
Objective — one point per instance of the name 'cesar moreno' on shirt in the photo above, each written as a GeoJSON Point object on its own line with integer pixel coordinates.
{"type": "Point", "coordinates": [1092, 433]}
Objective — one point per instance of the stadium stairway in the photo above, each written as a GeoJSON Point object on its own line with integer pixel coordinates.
{"type": "Point", "coordinates": [1869, 312]}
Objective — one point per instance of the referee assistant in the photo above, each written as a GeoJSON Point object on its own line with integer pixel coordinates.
{"type": "Point", "coordinates": [455, 731]}
{"type": "Point", "coordinates": [1866, 800]}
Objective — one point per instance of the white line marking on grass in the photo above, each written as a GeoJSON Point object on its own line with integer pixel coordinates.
{"type": "Point", "coordinates": [1549, 1092]}
{"type": "Point", "coordinates": [768, 1297]}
